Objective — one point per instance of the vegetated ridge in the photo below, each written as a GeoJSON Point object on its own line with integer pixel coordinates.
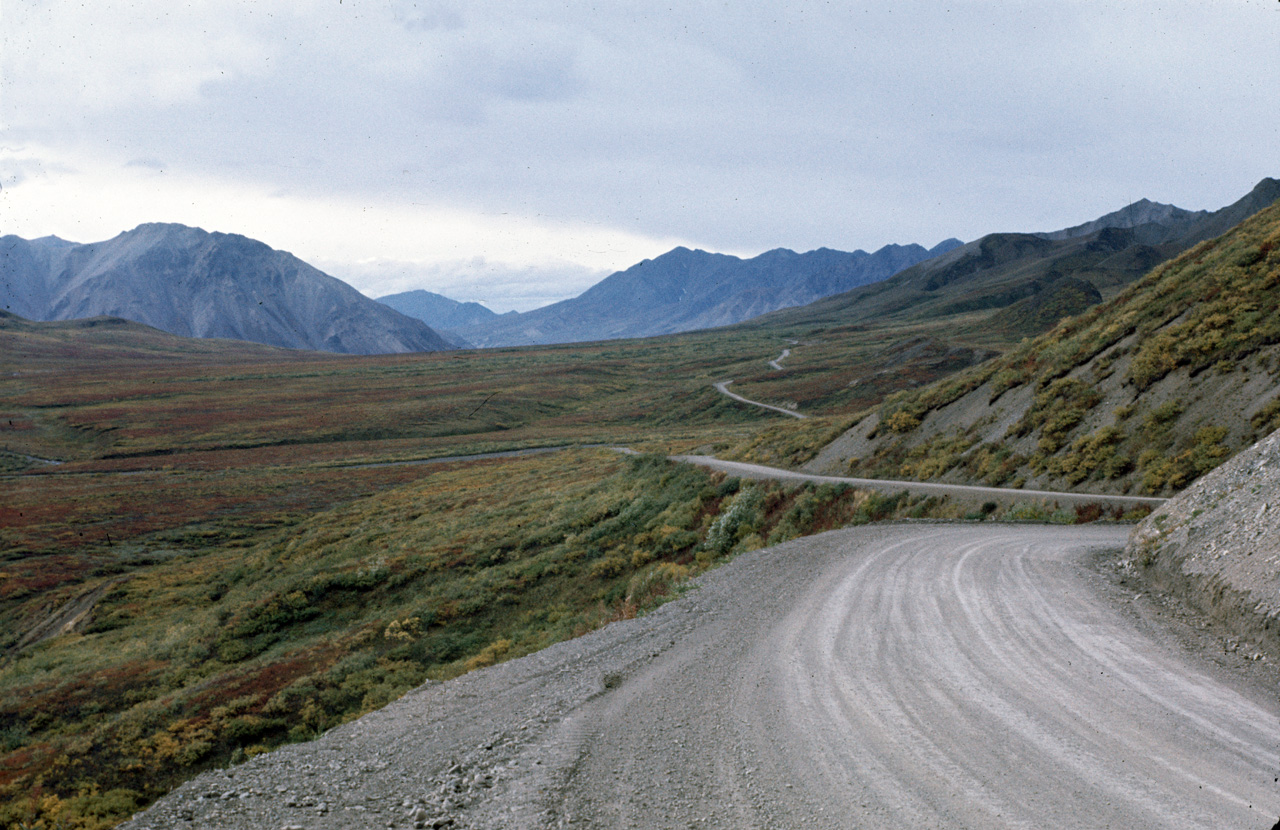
{"type": "Point", "coordinates": [189, 282]}
{"type": "Point", "coordinates": [1217, 546]}
{"type": "Point", "coordinates": [850, 351]}
{"type": "Point", "coordinates": [1140, 394]}
{"type": "Point", "coordinates": [684, 290]}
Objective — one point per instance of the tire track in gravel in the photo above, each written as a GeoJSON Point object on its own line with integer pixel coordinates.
{"type": "Point", "coordinates": [921, 675]}
{"type": "Point", "coordinates": [953, 678]}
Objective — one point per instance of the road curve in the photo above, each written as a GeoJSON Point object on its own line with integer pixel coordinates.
{"type": "Point", "coordinates": [890, 676]}
{"type": "Point", "coordinates": [723, 388]}
{"type": "Point", "coordinates": [937, 677]}
{"type": "Point", "coordinates": [928, 488]}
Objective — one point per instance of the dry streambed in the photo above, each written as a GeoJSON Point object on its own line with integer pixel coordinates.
{"type": "Point", "coordinates": [881, 677]}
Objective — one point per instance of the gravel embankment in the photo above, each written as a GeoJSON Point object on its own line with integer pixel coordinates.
{"type": "Point", "coordinates": [1217, 545]}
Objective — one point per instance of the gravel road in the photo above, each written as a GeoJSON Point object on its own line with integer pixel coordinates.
{"type": "Point", "coordinates": [1005, 495]}
{"type": "Point", "coordinates": [723, 388]}
{"type": "Point", "coordinates": [921, 675]}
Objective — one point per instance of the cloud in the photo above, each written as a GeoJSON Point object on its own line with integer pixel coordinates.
{"type": "Point", "coordinates": [426, 16]}
{"type": "Point", "coordinates": [86, 199]}
{"type": "Point", "coordinates": [78, 59]}
{"type": "Point", "coordinates": [499, 286]}
{"type": "Point", "coordinates": [147, 164]}
{"type": "Point", "coordinates": [551, 124]}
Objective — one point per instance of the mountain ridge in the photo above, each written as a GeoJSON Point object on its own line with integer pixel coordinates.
{"type": "Point", "coordinates": [1001, 270]}
{"type": "Point", "coordinates": [687, 289]}
{"type": "Point", "coordinates": [438, 311]}
{"type": "Point", "coordinates": [196, 283]}
{"type": "Point", "coordinates": [1140, 394]}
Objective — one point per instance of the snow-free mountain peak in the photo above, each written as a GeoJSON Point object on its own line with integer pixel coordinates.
{"type": "Point", "coordinates": [437, 310]}
{"type": "Point", "coordinates": [686, 289]}
{"type": "Point", "coordinates": [194, 283]}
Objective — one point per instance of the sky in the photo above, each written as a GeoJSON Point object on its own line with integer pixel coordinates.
{"type": "Point", "coordinates": [516, 153]}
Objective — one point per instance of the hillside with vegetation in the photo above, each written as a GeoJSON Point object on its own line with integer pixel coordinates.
{"type": "Point", "coordinates": [959, 309]}
{"type": "Point", "coordinates": [1140, 394]}
{"type": "Point", "coordinates": [1005, 270]}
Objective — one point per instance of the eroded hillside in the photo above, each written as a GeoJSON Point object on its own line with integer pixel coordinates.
{"type": "Point", "coordinates": [1139, 394]}
{"type": "Point", "coordinates": [1218, 546]}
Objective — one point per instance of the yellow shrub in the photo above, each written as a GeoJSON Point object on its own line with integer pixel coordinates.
{"type": "Point", "coordinates": [491, 654]}
{"type": "Point", "coordinates": [902, 421]}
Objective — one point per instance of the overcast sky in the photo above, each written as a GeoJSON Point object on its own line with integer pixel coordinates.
{"type": "Point", "coordinates": [515, 153]}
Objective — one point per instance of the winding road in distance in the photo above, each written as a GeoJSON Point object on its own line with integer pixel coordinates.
{"type": "Point", "coordinates": [723, 388]}
{"type": "Point", "coordinates": [880, 677]}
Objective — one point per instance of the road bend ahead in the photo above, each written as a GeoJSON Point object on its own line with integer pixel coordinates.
{"type": "Point", "coordinates": [937, 677]}
{"type": "Point", "coordinates": [897, 676]}
{"type": "Point", "coordinates": [723, 388]}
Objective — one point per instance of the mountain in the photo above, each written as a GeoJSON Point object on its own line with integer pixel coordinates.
{"type": "Point", "coordinates": [1168, 222]}
{"type": "Point", "coordinates": [1142, 393]}
{"type": "Point", "coordinates": [1032, 276]}
{"type": "Point", "coordinates": [437, 310]}
{"type": "Point", "coordinates": [683, 290]}
{"type": "Point", "coordinates": [189, 282]}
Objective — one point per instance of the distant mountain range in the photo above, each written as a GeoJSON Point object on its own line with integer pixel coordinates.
{"type": "Point", "coordinates": [438, 311]}
{"type": "Point", "coordinates": [1032, 279]}
{"type": "Point", "coordinates": [683, 290]}
{"type": "Point", "coordinates": [190, 282]}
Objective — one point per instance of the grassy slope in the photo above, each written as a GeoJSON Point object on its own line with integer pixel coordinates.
{"type": "Point", "coordinates": [1142, 393]}
{"type": "Point", "coordinates": [118, 391]}
{"type": "Point", "coordinates": [217, 651]}
{"type": "Point", "coordinates": [939, 317]}
{"type": "Point", "coordinates": [955, 310]}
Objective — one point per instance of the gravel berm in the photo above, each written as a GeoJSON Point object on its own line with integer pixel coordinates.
{"type": "Point", "coordinates": [916, 675]}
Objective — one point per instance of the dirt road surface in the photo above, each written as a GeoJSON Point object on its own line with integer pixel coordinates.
{"type": "Point", "coordinates": [920, 675]}
{"type": "Point", "coordinates": [971, 492]}
{"type": "Point", "coordinates": [723, 388]}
